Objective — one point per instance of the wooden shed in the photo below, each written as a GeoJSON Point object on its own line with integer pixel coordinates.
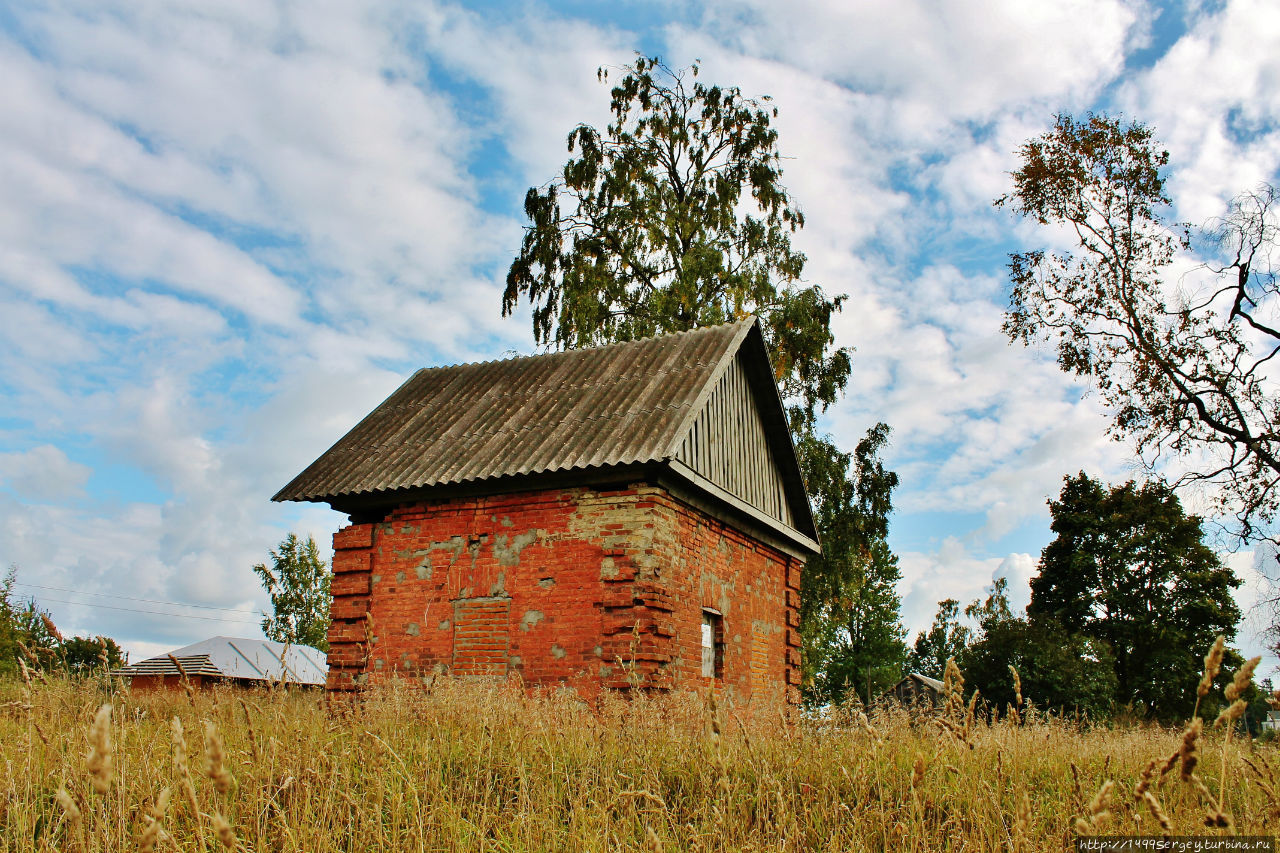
{"type": "Point", "coordinates": [917, 690]}
{"type": "Point", "coordinates": [628, 515]}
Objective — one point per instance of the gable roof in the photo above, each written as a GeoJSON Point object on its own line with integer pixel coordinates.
{"type": "Point", "coordinates": [235, 657]}
{"type": "Point", "coordinates": [626, 404]}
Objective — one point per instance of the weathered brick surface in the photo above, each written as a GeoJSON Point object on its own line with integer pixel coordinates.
{"type": "Point", "coordinates": [349, 632]}
{"type": "Point", "coordinates": [568, 586]}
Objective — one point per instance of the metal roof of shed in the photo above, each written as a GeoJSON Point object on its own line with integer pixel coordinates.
{"type": "Point", "coordinates": [238, 658]}
{"type": "Point", "coordinates": [622, 404]}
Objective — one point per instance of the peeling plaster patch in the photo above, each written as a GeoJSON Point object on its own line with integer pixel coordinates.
{"type": "Point", "coordinates": [400, 576]}
{"type": "Point", "coordinates": [379, 663]}
{"type": "Point", "coordinates": [408, 529]}
{"type": "Point", "coordinates": [605, 670]}
{"type": "Point", "coordinates": [423, 569]}
{"type": "Point", "coordinates": [375, 579]}
{"type": "Point", "coordinates": [598, 652]}
{"type": "Point", "coordinates": [516, 661]}
{"type": "Point", "coordinates": [499, 585]}
{"type": "Point", "coordinates": [546, 583]}
{"type": "Point", "coordinates": [454, 545]}
{"type": "Point", "coordinates": [608, 568]}
{"type": "Point", "coordinates": [557, 652]}
{"type": "Point", "coordinates": [444, 624]}
{"type": "Point", "coordinates": [509, 555]}
{"type": "Point", "coordinates": [530, 618]}
{"type": "Point", "coordinates": [507, 522]}
{"type": "Point", "coordinates": [412, 630]}
{"type": "Point", "coordinates": [474, 544]}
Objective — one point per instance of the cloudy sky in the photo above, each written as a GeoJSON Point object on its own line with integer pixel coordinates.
{"type": "Point", "coordinates": [228, 230]}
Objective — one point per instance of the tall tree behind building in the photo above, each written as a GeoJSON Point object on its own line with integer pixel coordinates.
{"type": "Point", "coordinates": [676, 217]}
{"type": "Point", "coordinates": [298, 583]}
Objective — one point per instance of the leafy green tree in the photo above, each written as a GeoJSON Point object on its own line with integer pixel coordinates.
{"type": "Point", "coordinates": [946, 638]}
{"type": "Point", "coordinates": [1129, 568]}
{"type": "Point", "coordinates": [1058, 670]}
{"type": "Point", "coordinates": [86, 655]}
{"type": "Point", "coordinates": [674, 218]}
{"type": "Point", "coordinates": [1185, 365]}
{"type": "Point", "coordinates": [994, 610]}
{"type": "Point", "coordinates": [9, 634]}
{"type": "Point", "coordinates": [859, 639]}
{"type": "Point", "coordinates": [27, 631]}
{"type": "Point", "coordinates": [849, 613]}
{"type": "Point", "coordinates": [298, 583]}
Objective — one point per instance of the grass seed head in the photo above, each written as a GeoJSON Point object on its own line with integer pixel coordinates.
{"type": "Point", "coordinates": [1187, 752]}
{"type": "Point", "coordinates": [216, 759]}
{"type": "Point", "coordinates": [1242, 680]}
{"type": "Point", "coordinates": [51, 628]}
{"type": "Point", "coordinates": [1098, 805]}
{"type": "Point", "coordinates": [100, 757]}
{"type": "Point", "coordinates": [224, 832]}
{"type": "Point", "coordinates": [1166, 826]}
{"type": "Point", "coordinates": [1145, 782]}
{"type": "Point", "coordinates": [1232, 712]}
{"type": "Point", "coordinates": [69, 807]}
{"type": "Point", "coordinates": [1212, 663]}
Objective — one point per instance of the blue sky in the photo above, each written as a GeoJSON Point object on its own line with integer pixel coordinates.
{"type": "Point", "coordinates": [228, 230]}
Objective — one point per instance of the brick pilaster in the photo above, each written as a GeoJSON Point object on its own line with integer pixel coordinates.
{"type": "Point", "coordinates": [351, 585]}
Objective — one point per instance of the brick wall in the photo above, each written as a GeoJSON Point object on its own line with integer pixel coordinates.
{"type": "Point", "coordinates": [566, 586]}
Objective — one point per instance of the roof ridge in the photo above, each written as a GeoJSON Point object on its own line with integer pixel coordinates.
{"type": "Point", "coordinates": [597, 348]}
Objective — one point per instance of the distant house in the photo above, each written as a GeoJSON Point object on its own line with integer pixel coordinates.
{"type": "Point", "coordinates": [628, 515]}
{"type": "Point", "coordinates": [228, 660]}
{"type": "Point", "coordinates": [1271, 722]}
{"type": "Point", "coordinates": [917, 689]}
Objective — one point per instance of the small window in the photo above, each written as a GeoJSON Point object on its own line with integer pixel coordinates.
{"type": "Point", "coordinates": [712, 644]}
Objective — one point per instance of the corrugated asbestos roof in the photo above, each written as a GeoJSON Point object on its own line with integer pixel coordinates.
{"type": "Point", "coordinates": [234, 657]}
{"type": "Point", "coordinates": [613, 405]}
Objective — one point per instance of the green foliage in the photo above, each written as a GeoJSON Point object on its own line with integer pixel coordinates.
{"type": "Point", "coordinates": [1184, 365]}
{"type": "Point", "coordinates": [946, 638]}
{"type": "Point", "coordinates": [86, 655]}
{"type": "Point", "coordinates": [849, 610]}
{"type": "Point", "coordinates": [856, 642]}
{"type": "Point", "coordinates": [9, 634]}
{"type": "Point", "coordinates": [298, 583]}
{"type": "Point", "coordinates": [1130, 569]}
{"type": "Point", "coordinates": [1058, 670]}
{"type": "Point", "coordinates": [27, 631]}
{"type": "Point", "coordinates": [675, 218]}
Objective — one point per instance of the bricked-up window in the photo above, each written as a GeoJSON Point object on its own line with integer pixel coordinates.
{"type": "Point", "coordinates": [480, 636]}
{"type": "Point", "coordinates": [712, 643]}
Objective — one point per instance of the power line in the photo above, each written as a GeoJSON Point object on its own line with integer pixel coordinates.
{"type": "Point", "coordinates": [131, 598]}
{"type": "Point", "coordinates": [154, 612]}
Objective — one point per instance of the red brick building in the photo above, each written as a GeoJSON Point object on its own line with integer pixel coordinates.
{"type": "Point", "coordinates": [626, 515]}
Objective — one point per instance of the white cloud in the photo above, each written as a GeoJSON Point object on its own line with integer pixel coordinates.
{"type": "Point", "coordinates": [1214, 100]}
{"type": "Point", "coordinates": [959, 59]}
{"type": "Point", "coordinates": [43, 474]}
{"type": "Point", "coordinates": [953, 572]}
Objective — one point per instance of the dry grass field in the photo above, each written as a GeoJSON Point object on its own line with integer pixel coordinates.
{"type": "Point", "coordinates": [487, 767]}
